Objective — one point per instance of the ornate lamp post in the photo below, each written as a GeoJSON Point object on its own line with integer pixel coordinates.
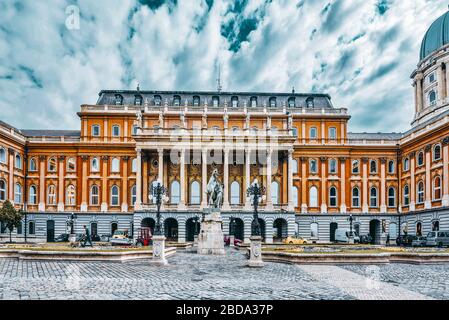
{"type": "Point", "coordinates": [351, 236]}
{"type": "Point", "coordinates": [196, 220]}
{"type": "Point", "coordinates": [257, 193]}
{"type": "Point", "coordinates": [71, 222]}
{"type": "Point", "coordinates": [157, 192]}
{"type": "Point", "coordinates": [231, 231]}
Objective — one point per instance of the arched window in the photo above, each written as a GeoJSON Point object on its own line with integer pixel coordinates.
{"type": "Point", "coordinates": [437, 152]}
{"type": "Point", "coordinates": [420, 158]}
{"type": "Point", "coordinates": [71, 195]}
{"type": "Point", "coordinates": [71, 164]}
{"type": "Point", "coordinates": [373, 198]}
{"type": "Point", "coordinates": [295, 131]}
{"type": "Point", "coordinates": [373, 166]}
{"type": "Point", "coordinates": [272, 102]}
{"type": "Point", "coordinates": [436, 225]}
{"type": "Point", "coordinates": [332, 166]}
{"type": "Point", "coordinates": [294, 166]}
{"type": "Point", "coordinates": [18, 161]}
{"type": "Point", "coordinates": [215, 102]}
{"type": "Point", "coordinates": [313, 166]}
{"type": "Point", "coordinates": [134, 165]}
{"type": "Point", "coordinates": [196, 101]}
{"type": "Point", "coordinates": [291, 102]}
{"type": "Point", "coordinates": [176, 101]}
{"type": "Point", "coordinates": [115, 167]}
{"type": "Point", "coordinates": [51, 166]}
{"type": "Point", "coordinates": [157, 100]}
{"type": "Point", "coordinates": [175, 192]}
{"type": "Point", "coordinates": [95, 130]}
{"type": "Point", "coordinates": [133, 195]}
{"type": "Point", "coordinates": [313, 197]}
{"type": "Point", "coordinates": [94, 195]}
{"type": "Point", "coordinates": [310, 103]}
{"type": "Point", "coordinates": [253, 101]}
{"type": "Point", "coordinates": [118, 99]}
{"type": "Point", "coordinates": [313, 133]}
{"type": "Point", "coordinates": [235, 193]}
{"type": "Point", "coordinates": [195, 193]}
{"type": "Point", "coordinates": [332, 133]}
{"type": "Point", "coordinates": [275, 192]}
{"type": "Point", "coordinates": [51, 195]}
{"type": "Point", "coordinates": [116, 130]}
{"type": "Point", "coordinates": [32, 196]}
{"type": "Point", "coordinates": [355, 197]}
{"type": "Point", "coordinates": [295, 196]}
{"type": "Point", "coordinates": [18, 193]}
{"type": "Point", "coordinates": [406, 164]}
{"type": "Point", "coordinates": [235, 102]}
{"type": "Point", "coordinates": [355, 167]}
{"type": "Point", "coordinates": [332, 197]}
{"type": "Point", "coordinates": [138, 100]}
{"type": "Point", "coordinates": [437, 188]}
{"type": "Point", "coordinates": [114, 196]}
{"type": "Point", "coordinates": [420, 192]}
{"type": "Point", "coordinates": [391, 197]}
{"type": "Point", "coordinates": [95, 165]}
{"type": "Point", "coordinates": [432, 97]}
{"type": "Point", "coordinates": [2, 155]}
{"type": "Point", "coordinates": [32, 166]}
{"type": "Point", "coordinates": [2, 190]}
{"type": "Point", "coordinates": [314, 230]}
{"type": "Point", "coordinates": [31, 227]}
{"type": "Point", "coordinates": [391, 168]}
{"type": "Point", "coordinates": [406, 195]}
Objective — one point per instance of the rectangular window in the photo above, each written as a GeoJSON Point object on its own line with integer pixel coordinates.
{"type": "Point", "coordinates": [332, 133]}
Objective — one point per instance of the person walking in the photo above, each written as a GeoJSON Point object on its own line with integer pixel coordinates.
{"type": "Point", "coordinates": [87, 237]}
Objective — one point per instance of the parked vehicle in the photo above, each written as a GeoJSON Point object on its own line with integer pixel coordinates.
{"type": "Point", "coordinates": [62, 238]}
{"type": "Point", "coordinates": [105, 237]}
{"type": "Point", "coordinates": [121, 237]}
{"type": "Point", "coordinates": [404, 240]}
{"type": "Point", "coordinates": [438, 239]}
{"type": "Point", "coordinates": [227, 241]}
{"type": "Point", "coordinates": [144, 237]}
{"type": "Point", "coordinates": [419, 241]}
{"type": "Point", "coordinates": [295, 240]}
{"type": "Point", "coordinates": [366, 239]}
{"type": "Point", "coordinates": [95, 237]}
{"type": "Point", "coordinates": [342, 235]}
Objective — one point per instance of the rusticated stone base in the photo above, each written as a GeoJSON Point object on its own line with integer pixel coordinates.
{"type": "Point", "coordinates": [210, 239]}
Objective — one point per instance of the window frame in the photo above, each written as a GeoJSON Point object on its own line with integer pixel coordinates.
{"type": "Point", "coordinates": [3, 155]}
{"type": "Point", "coordinates": [115, 165]}
{"type": "Point", "coordinates": [315, 203]}
{"type": "Point", "coordinates": [391, 197]}
{"type": "Point", "coordinates": [114, 134]}
{"type": "Point", "coordinates": [406, 195]}
{"type": "Point", "coordinates": [235, 199]}
{"type": "Point", "coordinates": [333, 197]}
{"type": "Point", "coordinates": [51, 195]}
{"type": "Point", "coordinates": [32, 196]}
{"type": "Point", "coordinates": [3, 190]}
{"type": "Point", "coordinates": [420, 192]}
{"type": "Point", "coordinates": [94, 128]}
{"type": "Point", "coordinates": [114, 196]}
{"type": "Point", "coordinates": [18, 162]}
{"type": "Point", "coordinates": [355, 197]}
{"type": "Point", "coordinates": [335, 163]}
{"type": "Point", "coordinates": [334, 135]}
{"type": "Point", "coordinates": [315, 136]}
{"type": "Point", "coordinates": [434, 153]}
{"type": "Point", "coordinates": [93, 196]}
{"type": "Point", "coordinates": [18, 193]}
{"type": "Point", "coordinates": [70, 196]}
{"type": "Point", "coordinates": [313, 172]}
{"type": "Point", "coordinates": [69, 160]}
{"type": "Point", "coordinates": [49, 164]}
{"type": "Point", "coordinates": [436, 189]}
{"type": "Point", "coordinates": [32, 168]}
{"type": "Point", "coordinates": [371, 197]}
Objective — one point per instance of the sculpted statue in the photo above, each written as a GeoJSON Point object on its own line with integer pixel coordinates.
{"type": "Point", "coordinates": [140, 119]}
{"type": "Point", "coordinates": [214, 190]}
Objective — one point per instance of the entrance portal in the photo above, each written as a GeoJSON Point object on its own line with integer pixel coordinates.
{"type": "Point", "coordinates": [332, 228]}
{"type": "Point", "coordinates": [50, 231]}
{"type": "Point", "coordinates": [374, 231]}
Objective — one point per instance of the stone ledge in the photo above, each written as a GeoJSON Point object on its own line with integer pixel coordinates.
{"type": "Point", "coordinates": [82, 255]}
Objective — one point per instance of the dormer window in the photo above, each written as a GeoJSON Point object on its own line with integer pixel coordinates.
{"type": "Point", "coordinates": [118, 99]}
{"type": "Point", "coordinates": [176, 101]}
{"type": "Point", "coordinates": [235, 102]}
{"type": "Point", "coordinates": [253, 102]}
{"type": "Point", "coordinates": [215, 102]}
{"type": "Point", "coordinates": [138, 100]}
{"type": "Point", "coordinates": [291, 102]}
{"type": "Point", "coordinates": [310, 103]}
{"type": "Point", "coordinates": [432, 97]}
{"type": "Point", "coordinates": [272, 102]}
{"type": "Point", "coordinates": [196, 101]}
{"type": "Point", "coordinates": [157, 100]}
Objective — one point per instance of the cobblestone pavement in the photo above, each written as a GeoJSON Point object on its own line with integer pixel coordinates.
{"type": "Point", "coordinates": [190, 276]}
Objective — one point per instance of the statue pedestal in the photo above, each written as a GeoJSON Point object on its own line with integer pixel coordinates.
{"type": "Point", "coordinates": [255, 258]}
{"type": "Point", "coordinates": [159, 251]}
{"type": "Point", "coordinates": [231, 241]}
{"type": "Point", "coordinates": [210, 239]}
{"type": "Point", "coordinates": [72, 238]}
{"type": "Point", "coordinates": [351, 240]}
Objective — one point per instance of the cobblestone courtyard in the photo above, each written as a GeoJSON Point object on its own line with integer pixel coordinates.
{"type": "Point", "coordinates": [190, 276]}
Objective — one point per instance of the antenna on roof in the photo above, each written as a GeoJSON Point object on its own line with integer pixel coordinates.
{"type": "Point", "coordinates": [219, 79]}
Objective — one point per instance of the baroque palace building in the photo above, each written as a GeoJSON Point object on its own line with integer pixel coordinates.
{"type": "Point", "coordinates": [298, 146]}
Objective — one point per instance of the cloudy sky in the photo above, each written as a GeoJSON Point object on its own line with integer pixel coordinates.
{"type": "Point", "coordinates": [361, 52]}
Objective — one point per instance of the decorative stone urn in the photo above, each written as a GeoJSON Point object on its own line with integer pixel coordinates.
{"type": "Point", "coordinates": [255, 258]}
{"type": "Point", "coordinates": [159, 251]}
{"type": "Point", "coordinates": [210, 239]}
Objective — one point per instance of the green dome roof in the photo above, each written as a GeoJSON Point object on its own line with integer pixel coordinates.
{"type": "Point", "coordinates": [436, 37]}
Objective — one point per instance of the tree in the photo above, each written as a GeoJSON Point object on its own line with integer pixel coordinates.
{"type": "Point", "coordinates": [11, 217]}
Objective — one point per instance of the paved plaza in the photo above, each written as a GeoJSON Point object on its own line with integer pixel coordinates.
{"type": "Point", "coordinates": [190, 276]}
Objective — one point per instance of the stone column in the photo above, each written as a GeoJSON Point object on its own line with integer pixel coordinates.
{"type": "Point", "coordinates": [304, 185]}
{"type": "Point", "coordinates": [323, 132]}
{"type": "Point", "coordinates": [342, 185]}
{"type": "Point", "coordinates": [182, 202]}
{"type": "Point", "coordinates": [145, 159]}
{"type": "Point", "coordinates": [105, 130]}
{"type": "Point", "coordinates": [61, 183]}
{"type": "Point", "coordinates": [445, 144]}
{"type": "Point", "coordinates": [383, 187]}
{"type": "Point", "coordinates": [441, 84]}
{"type": "Point", "coordinates": [447, 81]}
{"type": "Point", "coordinates": [291, 206]}
{"type": "Point", "coordinates": [226, 205]}
{"type": "Point", "coordinates": [303, 131]}
{"type": "Point", "coordinates": [11, 153]}
{"type": "Point", "coordinates": [269, 202]}
{"type": "Point", "coordinates": [415, 86]}
{"type": "Point", "coordinates": [365, 207]}
{"type": "Point", "coordinates": [419, 92]}
{"type": "Point", "coordinates": [204, 179]}
{"type": "Point", "coordinates": [342, 132]}
{"type": "Point", "coordinates": [247, 179]}
{"type": "Point", "coordinates": [104, 184]}
{"type": "Point", "coordinates": [412, 182]}
{"type": "Point", "coordinates": [428, 195]}
{"type": "Point", "coordinates": [323, 185]}
{"type": "Point", "coordinates": [160, 168]}
{"type": "Point", "coordinates": [42, 186]}
{"type": "Point", "coordinates": [138, 205]}
{"type": "Point", "coordinates": [84, 185]}
{"type": "Point", "coordinates": [125, 184]}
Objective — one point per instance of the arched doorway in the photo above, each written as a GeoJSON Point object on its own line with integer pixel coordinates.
{"type": "Point", "coordinates": [50, 231]}
{"type": "Point", "coordinates": [332, 229]}
{"type": "Point", "coordinates": [393, 231]}
{"type": "Point", "coordinates": [148, 223]}
{"type": "Point", "coordinates": [171, 229]}
{"type": "Point", "coordinates": [419, 229]}
{"type": "Point", "coordinates": [280, 229]}
{"type": "Point", "coordinates": [239, 231]}
{"type": "Point", "coordinates": [114, 227]}
{"type": "Point", "coordinates": [190, 229]}
{"type": "Point", "coordinates": [374, 231]}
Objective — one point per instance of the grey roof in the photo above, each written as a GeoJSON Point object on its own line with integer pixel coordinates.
{"type": "Point", "coordinates": [375, 136]}
{"type": "Point", "coordinates": [108, 97]}
{"type": "Point", "coordinates": [51, 133]}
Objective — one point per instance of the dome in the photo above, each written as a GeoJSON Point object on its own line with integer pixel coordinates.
{"type": "Point", "coordinates": [436, 37]}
